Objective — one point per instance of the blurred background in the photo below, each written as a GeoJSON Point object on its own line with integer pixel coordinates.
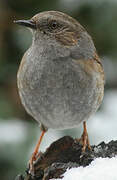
{"type": "Point", "coordinates": [18, 131]}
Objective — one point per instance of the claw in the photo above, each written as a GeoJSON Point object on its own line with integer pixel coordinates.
{"type": "Point", "coordinates": [84, 140]}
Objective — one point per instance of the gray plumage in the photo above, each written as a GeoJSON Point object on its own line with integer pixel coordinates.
{"type": "Point", "coordinates": [60, 82]}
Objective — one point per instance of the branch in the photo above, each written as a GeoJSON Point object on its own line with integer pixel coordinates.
{"type": "Point", "coordinates": [66, 153]}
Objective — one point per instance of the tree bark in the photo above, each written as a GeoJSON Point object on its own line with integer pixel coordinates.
{"type": "Point", "coordinates": [66, 153]}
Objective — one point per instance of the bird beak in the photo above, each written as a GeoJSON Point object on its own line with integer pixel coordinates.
{"type": "Point", "coordinates": [28, 23]}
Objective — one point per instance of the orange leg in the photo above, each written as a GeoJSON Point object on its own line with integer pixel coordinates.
{"type": "Point", "coordinates": [84, 138]}
{"type": "Point", "coordinates": [35, 153]}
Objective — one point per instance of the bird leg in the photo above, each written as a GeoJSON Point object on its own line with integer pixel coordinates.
{"type": "Point", "coordinates": [84, 140]}
{"type": "Point", "coordinates": [35, 153]}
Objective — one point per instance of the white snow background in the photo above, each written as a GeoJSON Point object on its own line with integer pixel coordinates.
{"type": "Point", "coordinates": [99, 169]}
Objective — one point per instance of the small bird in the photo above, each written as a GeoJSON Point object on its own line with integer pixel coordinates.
{"type": "Point", "coordinates": [60, 78]}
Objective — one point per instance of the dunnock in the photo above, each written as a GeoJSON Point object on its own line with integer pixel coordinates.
{"type": "Point", "coordinates": [60, 78]}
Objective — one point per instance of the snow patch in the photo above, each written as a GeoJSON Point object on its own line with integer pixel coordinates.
{"type": "Point", "coordinates": [99, 169]}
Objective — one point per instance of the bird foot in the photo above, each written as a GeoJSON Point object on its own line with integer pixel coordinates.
{"type": "Point", "coordinates": [84, 140]}
{"type": "Point", "coordinates": [32, 160]}
{"type": "Point", "coordinates": [35, 154]}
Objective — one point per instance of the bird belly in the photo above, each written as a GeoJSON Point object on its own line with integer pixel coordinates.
{"type": "Point", "coordinates": [57, 95]}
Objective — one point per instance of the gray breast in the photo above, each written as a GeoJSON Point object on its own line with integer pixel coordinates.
{"type": "Point", "coordinates": [57, 94]}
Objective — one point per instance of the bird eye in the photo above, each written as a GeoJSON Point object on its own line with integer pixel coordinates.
{"type": "Point", "coordinates": [53, 24]}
